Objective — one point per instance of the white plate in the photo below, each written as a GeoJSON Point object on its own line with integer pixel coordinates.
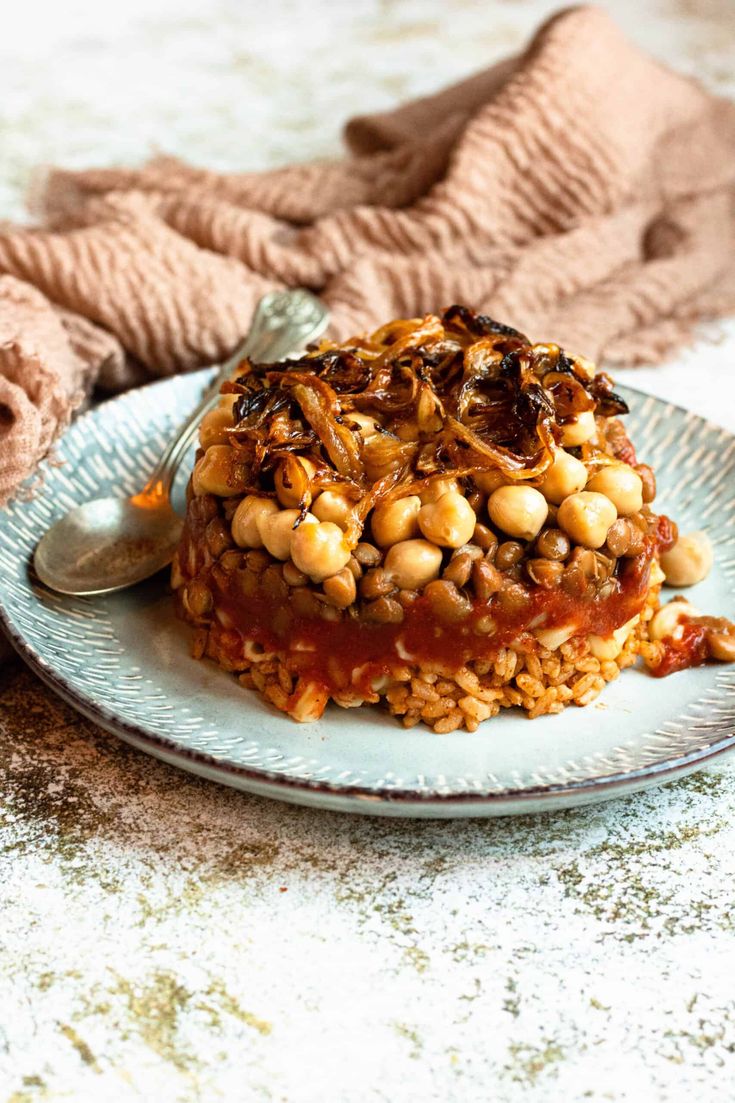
{"type": "Point", "coordinates": [123, 660]}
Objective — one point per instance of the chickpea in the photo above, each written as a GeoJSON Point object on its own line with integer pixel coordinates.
{"type": "Point", "coordinates": [396, 521]}
{"type": "Point", "coordinates": [319, 550]}
{"type": "Point", "coordinates": [567, 475]}
{"type": "Point", "coordinates": [488, 481]}
{"type": "Point", "coordinates": [333, 506]}
{"type": "Point", "coordinates": [577, 432]}
{"type": "Point", "coordinates": [219, 472]}
{"type": "Point", "coordinates": [689, 561]}
{"type": "Point", "coordinates": [666, 622]}
{"type": "Point", "coordinates": [215, 423]}
{"type": "Point", "coordinates": [413, 563]}
{"type": "Point", "coordinates": [622, 485]}
{"type": "Point", "coordinates": [586, 517]}
{"type": "Point", "coordinates": [277, 532]}
{"type": "Point", "coordinates": [721, 646]}
{"type": "Point", "coordinates": [518, 510]}
{"type": "Point", "coordinates": [448, 522]}
{"type": "Point", "coordinates": [292, 480]}
{"type": "Point", "coordinates": [437, 488]}
{"type": "Point", "coordinates": [366, 426]}
{"type": "Point", "coordinates": [245, 530]}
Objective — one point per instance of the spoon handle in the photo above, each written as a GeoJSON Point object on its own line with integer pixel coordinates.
{"type": "Point", "coordinates": [284, 322]}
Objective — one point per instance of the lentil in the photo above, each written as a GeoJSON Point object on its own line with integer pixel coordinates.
{"type": "Point", "coordinates": [384, 610]}
{"type": "Point", "coordinates": [553, 544]}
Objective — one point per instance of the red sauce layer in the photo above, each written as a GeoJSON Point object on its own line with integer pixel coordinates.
{"type": "Point", "coordinates": [689, 649]}
{"type": "Point", "coordinates": [330, 651]}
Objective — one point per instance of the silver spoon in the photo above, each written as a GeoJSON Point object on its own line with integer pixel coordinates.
{"type": "Point", "coordinates": [111, 543]}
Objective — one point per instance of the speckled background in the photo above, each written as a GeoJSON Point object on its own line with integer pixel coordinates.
{"type": "Point", "coordinates": [165, 939]}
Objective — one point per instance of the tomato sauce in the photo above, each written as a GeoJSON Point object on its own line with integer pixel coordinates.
{"type": "Point", "coordinates": [687, 649]}
{"type": "Point", "coordinates": [331, 652]}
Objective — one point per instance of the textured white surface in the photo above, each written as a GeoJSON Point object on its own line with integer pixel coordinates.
{"type": "Point", "coordinates": [148, 948]}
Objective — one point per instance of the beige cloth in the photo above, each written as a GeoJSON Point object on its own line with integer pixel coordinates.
{"type": "Point", "coordinates": [581, 192]}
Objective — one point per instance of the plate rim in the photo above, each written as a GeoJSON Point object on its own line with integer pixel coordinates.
{"type": "Point", "coordinates": [351, 797]}
{"type": "Point", "coordinates": [358, 798]}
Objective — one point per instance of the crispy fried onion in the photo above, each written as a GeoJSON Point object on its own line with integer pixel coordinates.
{"type": "Point", "coordinates": [419, 399]}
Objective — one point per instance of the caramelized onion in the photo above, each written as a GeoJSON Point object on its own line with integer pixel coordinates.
{"type": "Point", "coordinates": [458, 394]}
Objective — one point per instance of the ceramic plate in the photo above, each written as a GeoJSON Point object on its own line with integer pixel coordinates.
{"type": "Point", "coordinates": [123, 660]}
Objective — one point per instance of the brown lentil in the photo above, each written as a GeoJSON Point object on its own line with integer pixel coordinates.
{"type": "Point", "coordinates": [340, 588]}
{"type": "Point", "coordinates": [618, 537]}
{"type": "Point", "coordinates": [293, 576]}
{"type": "Point", "coordinates": [367, 555]}
{"type": "Point", "coordinates": [648, 479]}
{"type": "Point", "coordinates": [476, 500]}
{"type": "Point", "coordinates": [354, 567]}
{"type": "Point", "coordinates": [273, 585]}
{"type": "Point", "coordinates": [553, 544]}
{"type": "Point", "coordinates": [574, 581]}
{"type": "Point", "coordinates": [257, 560]}
{"type": "Point", "coordinates": [447, 602]}
{"type": "Point", "coordinates": [247, 583]}
{"type": "Point", "coordinates": [485, 538]}
{"type": "Point", "coordinates": [508, 555]}
{"type": "Point", "coordinates": [218, 536]}
{"type": "Point", "coordinates": [593, 565]}
{"type": "Point", "coordinates": [459, 569]}
{"type": "Point", "coordinates": [375, 583]}
{"type": "Point", "coordinates": [545, 572]}
{"type": "Point", "coordinates": [304, 603]}
{"type": "Point", "coordinates": [637, 541]}
{"type": "Point", "coordinates": [232, 560]}
{"type": "Point", "coordinates": [198, 598]}
{"type": "Point", "coordinates": [486, 579]}
{"type": "Point", "coordinates": [385, 610]}
{"type": "Point", "coordinates": [513, 597]}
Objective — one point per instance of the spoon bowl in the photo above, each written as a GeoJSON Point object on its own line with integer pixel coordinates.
{"type": "Point", "coordinates": [109, 544]}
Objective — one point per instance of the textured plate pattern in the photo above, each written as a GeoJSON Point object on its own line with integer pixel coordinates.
{"type": "Point", "coordinates": [123, 660]}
